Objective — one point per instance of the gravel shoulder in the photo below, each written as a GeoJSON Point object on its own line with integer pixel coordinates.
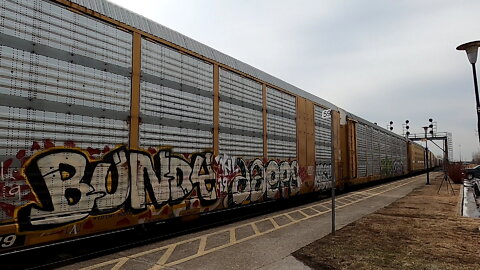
{"type": "Point", "coordinates": [423, 230]}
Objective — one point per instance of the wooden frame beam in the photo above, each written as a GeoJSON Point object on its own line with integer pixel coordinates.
{"type": "Point", "coordinates": [134, 136]}
{"type": "Point", "coordinates": [264, 115]}
{"type": "Point", "coordinates": [216, 109]}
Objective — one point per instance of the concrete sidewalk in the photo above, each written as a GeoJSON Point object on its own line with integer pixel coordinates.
{"type": "Point", "coordinates": [262, 242]}
{"type": "Point", "coordinates": [424, 230]}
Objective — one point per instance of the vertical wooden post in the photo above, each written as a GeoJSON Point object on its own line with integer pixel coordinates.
{"type": "Point", "coordinates": [310, 139]}
{"type": "Point", "coordinates": [264, 114]}
{"type": "Point", "coordinates": [334, 136]}
{"type": "Point", "coordinates": [216, 109]}
{"type": "Point", "coordinates": [352, 151]}
{"type": "Point", "coordinates": [135, 91]}
{"type": "Point", "coordinates": [302, 136]}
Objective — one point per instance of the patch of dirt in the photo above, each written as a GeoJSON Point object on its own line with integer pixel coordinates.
{"type": "Point", "coordinates": [420, 231]}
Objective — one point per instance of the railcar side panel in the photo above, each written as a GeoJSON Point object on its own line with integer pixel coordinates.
{"type": "Point", "coordinates": [176, 100]}
{"type": "Point", "coordinates": [306, 142]}
{"type": "Point", "coordinates": [417, 157]}
{"type": "Point", "coordinates": [65, 99]}
{"type": "Point", "coordinates": [323, 149]}
{"type": "Point", "coordinates": [241, 118]}
{"type": "Point", "coordinates": [104, 128]}
{"type": "Point", "coordinates": [379, 154]}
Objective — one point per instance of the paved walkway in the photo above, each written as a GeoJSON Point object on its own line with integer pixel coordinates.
{"type": "Point", "coordinates": [264, 242]}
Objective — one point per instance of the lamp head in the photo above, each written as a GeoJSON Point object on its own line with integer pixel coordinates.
{"type": "Point", "coordinates": [471, 48]}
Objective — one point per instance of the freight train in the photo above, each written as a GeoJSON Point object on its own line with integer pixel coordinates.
{"type": "Point", "coordinates": [109, 120]}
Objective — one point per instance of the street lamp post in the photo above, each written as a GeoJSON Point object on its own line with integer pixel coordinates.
{"type": "Point", "coordinates": [426, 155]}
{"type": "Point", "coordinates": [471, 49]}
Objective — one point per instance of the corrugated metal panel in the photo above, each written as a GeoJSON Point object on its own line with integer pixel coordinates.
{"type": "Point", "coordinates": [370, 161]}
{"type": "Point", "coordinates": [22, 128]}
{"type": "Point", "coordinates": [163, 32]}
{"type": "Point", "coordinates": [33, 76]}
{"type": "Point", "coordinates": [281, 149]}
{"type": "Point", "coordinates": [361, 150]}
{"type": "Point", "coordinates": [240, 88]}
{"type": "Point", "coordinates": [183, 140]}
{"type": "Point", "coordinates": [39, 93]}
{"type": "Point", "coordinates": [45, 23]}
{"type": "Point", "coordinates": [246, 147]}
{"type": "Point", "coordinates": [377, 155]}
{"type": "Point", "coordinates": [176, 100]}
{"type": "Point", "coordinates": [323, 138]}
{"type": "Point", "coordinates": [281, 124]}
{"type": "Point", "coordinates": [164, 102]}
{"type": "Point", "coordinates": [49, 100]}
{"type": "Point", "coordinates": [166, 63]}
{"type": "Point", "coordinates": [380, 153]}
{"type": "Point", "coordinates": [375, 126]}
{"type": "Point", "coordinates": [241, 118]}
{"type": "Point", "coordinates": [280, 101]}
{"type": "Point", "coordinates": [237, 117]}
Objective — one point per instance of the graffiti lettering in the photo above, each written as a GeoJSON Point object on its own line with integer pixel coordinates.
{"type": "Point", "coordinates": [323, 176]}
{"type": "Point", "coordinates": [69, 185]}
{"type": "Point", "coordinates": [391, 167]}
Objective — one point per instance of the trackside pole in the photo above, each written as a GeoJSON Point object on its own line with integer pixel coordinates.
{"type": "Point", "coordinates": [333, 170]}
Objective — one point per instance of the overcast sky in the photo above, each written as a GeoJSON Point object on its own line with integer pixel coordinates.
{"type": "Point", "coordinates": [381, 60]}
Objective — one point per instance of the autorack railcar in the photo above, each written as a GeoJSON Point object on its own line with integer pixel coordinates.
{"type": "Point", "coordinates": [110, 120]}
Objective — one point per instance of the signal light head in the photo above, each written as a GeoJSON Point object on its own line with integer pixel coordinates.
{"type": "Point", "coordinates": [391, 128]}
{"type": "Point", "coordinates": [430, 120]}
{"type": "Point", "coordinates": [406, 121]}
{"type": "Point", "coordinates": [391, 122]}
{"type": "Point", "coordinates": [408, 133]}
{"type": "Point", "coordinates": [430, 126]}
{"type": "Point", "coordinates": [407, 127]}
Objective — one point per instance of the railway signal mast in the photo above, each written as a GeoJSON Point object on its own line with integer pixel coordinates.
{"type": "Point", "coordinates": [431, 134]}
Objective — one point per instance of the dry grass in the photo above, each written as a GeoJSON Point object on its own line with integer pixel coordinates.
{"type": "Point", "coordinates": [420, 231]}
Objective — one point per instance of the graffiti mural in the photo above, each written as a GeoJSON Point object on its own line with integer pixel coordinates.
{"type": "Point", "coordinates": [63, 185]}
{"type": "Point", "coordinates": [390, 167]}
{"type": "Point", "coordinates": [240, 182]}
{"type": "Point", "coordinates": [323, 176]}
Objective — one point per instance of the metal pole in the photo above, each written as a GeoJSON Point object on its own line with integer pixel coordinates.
{"type": "Point", "coordinates": [460, 148]}
{"type": "Point", "coordinates": [333, 171]}
{"type": "Point", "coordinates": [426, 157]}
{"type": "Point", "coordinates": [444, 155]}
{"type": "Point", "coordinates": [477, 99]}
